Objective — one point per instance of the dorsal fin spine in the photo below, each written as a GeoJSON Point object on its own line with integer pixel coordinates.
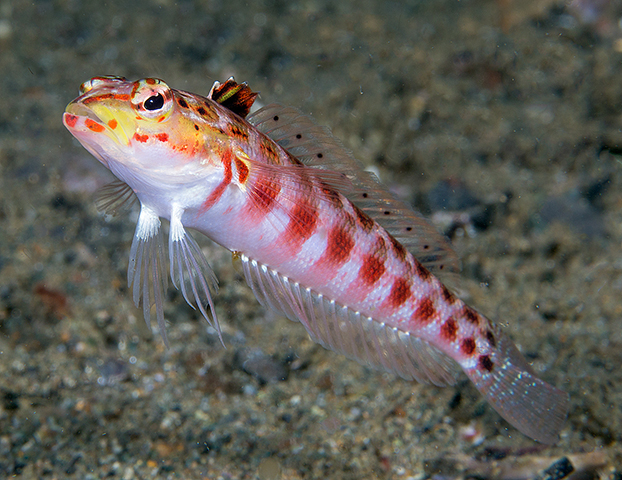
{"type": "Point", "coordinates": [317, 148]}
{"type": "Point", "coordinates": [237, 97]}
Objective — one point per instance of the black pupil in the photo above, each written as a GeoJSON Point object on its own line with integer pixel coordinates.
{"type": "Point", "coordinates": [154, 102]}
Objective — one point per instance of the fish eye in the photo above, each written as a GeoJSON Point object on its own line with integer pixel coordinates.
{"type": "Point", "coordinates": [152, 99]}
{"type": "Point", "coordinates": [154, 102]}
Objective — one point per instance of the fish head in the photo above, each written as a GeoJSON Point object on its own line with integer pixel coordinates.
{"type": "Point", "coordinates": [145, 128]}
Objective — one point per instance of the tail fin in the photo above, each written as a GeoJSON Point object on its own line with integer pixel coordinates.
{"type": "Point", "coordinates": [508, 383]}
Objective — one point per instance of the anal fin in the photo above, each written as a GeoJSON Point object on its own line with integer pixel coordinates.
{"type": "Point", "coordinates": [343, 330]}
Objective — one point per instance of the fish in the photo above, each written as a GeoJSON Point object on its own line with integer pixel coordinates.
{"type": "Point", "coordinates": [320, 239]}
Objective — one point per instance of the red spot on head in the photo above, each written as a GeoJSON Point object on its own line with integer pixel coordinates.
{"type": "Point", "coordinates": [163, 137]}
{"type": "Point", "coordinates": [339, 246]}
{"type": "Point", "coordinates": [242, 169]}
{"type": "Point", "coordinates": [141, 138]}
{"type": "Point", "coordinates": [150, 81]}
{"type": "Point", "coordinates": [425, 311]}
{"type": "Point", "coordinates": [485, 363]}
{"type": "Point", "coordinates": [449, 329]}
{"type": "Point", "coordinates": [71, 120]}
{"type": "Point", "coordinates": [470, 315]}
{"type": "Point", "coordinates": [468, 346]}
{"type": "Point", "coordinates": [371, 270]}
{"type": "Point", "coordinates": [400, 291]}
{"type": "Point", "coordinates": [112, 123]}
{"type": "Point", "coordinates": [94, 126]}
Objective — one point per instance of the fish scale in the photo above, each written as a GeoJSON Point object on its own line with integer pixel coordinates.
{"type": "Point", "coordinates": [320, 240]}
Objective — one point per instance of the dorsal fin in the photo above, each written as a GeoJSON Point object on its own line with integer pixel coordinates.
{"type": "Point", "coordinates": [237, 97]}
{"type": "Point", "coordinates": [316, 147]}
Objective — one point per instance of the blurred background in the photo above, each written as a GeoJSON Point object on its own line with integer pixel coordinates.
{"type": "Point", "coordinates": [500, 120]}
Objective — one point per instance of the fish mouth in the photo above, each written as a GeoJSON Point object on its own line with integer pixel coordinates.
{"type": "Point", "coordinates": [80, 110]}
{"type": "Point", "coordinates": [83, 122]}
{"type": "Point", "coordinates": [103, 137]}
{"type": "Point", "coordinates": [80, 119]}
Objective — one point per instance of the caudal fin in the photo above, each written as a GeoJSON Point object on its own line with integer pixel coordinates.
{"type": "Point", "coordinates": [534, 407]}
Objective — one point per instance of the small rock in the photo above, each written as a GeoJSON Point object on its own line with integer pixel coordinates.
{"type": "Point", "coordinates": [261, 366]}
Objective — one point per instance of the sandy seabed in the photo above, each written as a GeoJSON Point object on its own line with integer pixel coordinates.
{"type": "Point", "coordinates": [499, 120]}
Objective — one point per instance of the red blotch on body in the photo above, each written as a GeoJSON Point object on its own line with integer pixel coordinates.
{"type": "Point", "coordinates": [371, 270]}
{"type": "Point", "coordinates": [398, 248]}
{"type": "Point", "coordinates": [269, 152]}
{"type": "Point", "coordinates": [215, 195]}
{"type": "Point", "coordinates": [364, 220]}
{"type": "Point", "coordinates": [425, 311]}
{"type": "Point", "coordinates": [112, 123]}
{"type": "Point", "coordinates": [163, 137]}
{"type": "Point", "coordinates": [71, 120]}
{"type": "Point", "coordinates": [400, 291]}
{"type": "Point", "coordinates": [94, 126]}
{"type": "Point", "coordinates": [264, 193]}
{"type": "Point", "coordinates": [332, 196]}
{"type": "Point", "coordinates": [470, 315]}
{"type": "Point", "coordinates": [236, 131]}
{"type": "Point", "coordinates": [422, 272]}
{"type": "Point", "coordinates": [485, 363]}
{"type": "Point", "coordinates": [447, 295]}
{"type": "Point", "coordinates": [302, 225]}
{"type": "Point", "coordinates": [141, 138]}
{"type": "Point", "coordinates": [490, 337]}
{"type": "Point", "coordinates": [468, 346]}
{"type": "Point", "coordinates": [449, 329]}
{"type": "Point", "coordinates": [242, 169]}
{"type": "Point", "coordinates": [339, 246]}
